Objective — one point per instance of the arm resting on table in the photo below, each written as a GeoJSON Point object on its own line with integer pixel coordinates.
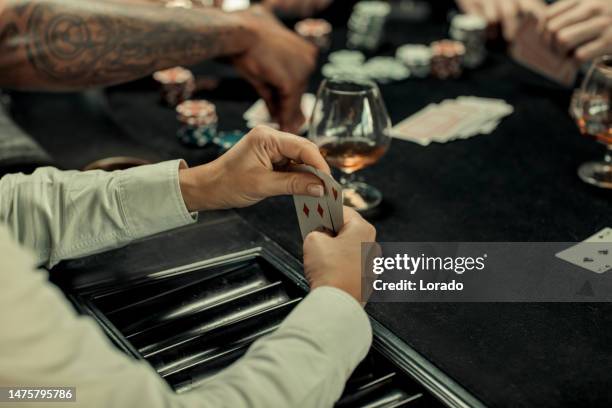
{"type": "Point", "coordinates": [69, 214]}
{"type": "Point", "coordinates": [305, 363]}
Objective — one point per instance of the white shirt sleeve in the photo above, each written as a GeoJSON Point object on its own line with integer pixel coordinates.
{"type": "Point", "coordinates": [61, 215]}
{"type": "Point", "coordinates": [70, 214]}
{"type": "Point", "coordinates": [304, 363]}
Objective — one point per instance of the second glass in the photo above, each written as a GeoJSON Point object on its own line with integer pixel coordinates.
{"type": "Point", "coordinates": [351, 126]}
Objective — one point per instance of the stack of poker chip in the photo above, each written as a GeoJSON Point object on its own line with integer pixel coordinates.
{"type": "Point", "coordinates": [226, 140]}
{"type": "Point", "coordinates": [347, 63]}
{"type": "Point", "coordinates": [366, 24]}
{"type": "Point", "coordinates": [315, 30]}
{"type": "Point", "coordinates": [416, 57]}
{"type": "Point", "coordinates": [199, 119]}
{"type": "Point", "coordinates": [385, 69]}
{"type": "Point", "coordinates": [177, 85]}
{"type": "Point", "coordinates": [447, 58]}
{"type": "Point", "coordinates": [344, 63]}
{"type": "Point", "coordinates": [471, 31]}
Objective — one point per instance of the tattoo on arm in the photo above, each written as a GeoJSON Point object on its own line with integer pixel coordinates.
{"type": "Point", "coordinates": [76, 43]}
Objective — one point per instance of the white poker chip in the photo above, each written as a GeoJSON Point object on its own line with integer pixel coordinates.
{"type": "Point", "coordinates": [468, 22]}
{"type": "Point", "coordinates": [373, 8]}
{"type": "Point", "coordinates": [344, 70]}
{"type": "Point", "coordinates": [346, 56]}
{"type": "Point", "coordinates": [386, 69]}
{"type": "Point", "coordinates": [329, 70]}
{"type": "Point", "coordinates": [414, 54]}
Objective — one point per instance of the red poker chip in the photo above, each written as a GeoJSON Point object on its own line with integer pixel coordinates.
{"type": "Point", "coordinates": [198, 121]}
{"type": "Point", "coordinates": [176, 75]}
{"type": "Point", "coordinates": [313, 27]}
{"type": "Point", "coordinates": [198, 107]}
{"type": "Point", "coordinates": [197, 112]}
{"type": "Point", "coordinates": [447, 48]}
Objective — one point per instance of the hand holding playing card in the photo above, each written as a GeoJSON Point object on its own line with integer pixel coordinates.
{"type": "Point", "coordinates": [246, 174]}
{"type": "Point", "coordinates": [336, 261]}
{"type": "Point", "coordinates": [582, 29]}
{"type": "Point", "coordinates": [530, 49]}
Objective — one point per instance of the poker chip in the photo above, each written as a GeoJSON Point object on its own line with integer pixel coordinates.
{"type": "Point", "coordinates": [196, 108]}
{"type": "Point", "coordinates": [471, 31]}
{"type": "Point", "coordinates": [315, 30]}
{"type": "Point", "coordinates": [416, 57]}
{"type": "Point", "coordinates": [176, 85]}
{"type": "Point", "coordinates": [447, 58]}
{"type": "Point", "coordinates": [343, 70]}
{"type": "Point", "coordinates": [386, 69]}
{"type": "Point", "coordinates": [225, 140]}
{"type": "Point", "coordinates": [196, 112]}
{"type": "Point", "coordinates": [199, 119]}
{"type": "Point", "coordinates": [366, 24]}
{"type": "Point", "coordinates": [346, 57]}
{"type": "Point", "coordinates": [196, 136]}
{"type": "Point", "coordinates": [352, 64]}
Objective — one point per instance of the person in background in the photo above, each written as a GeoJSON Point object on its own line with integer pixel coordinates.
{"type": "Point", "coordinates": [503, 12]}
{"type": "Point", "coordinates": [506, 13]}
{"type": "Point", "coordinates": [579, 28]}
{"type": "Point", "coordinates": [63, 45]}
{"type": "Point", "coordinates": [54, 215]}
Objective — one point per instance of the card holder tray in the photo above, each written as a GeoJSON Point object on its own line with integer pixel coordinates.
{"type": "Point", "coordinates": [192, 322]}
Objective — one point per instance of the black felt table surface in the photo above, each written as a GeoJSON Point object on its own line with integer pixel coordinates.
{"type": "Point", "coordinates": [517, 184]}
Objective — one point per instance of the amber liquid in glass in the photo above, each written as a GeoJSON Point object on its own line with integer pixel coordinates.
{"type": "Point", "coordinates": [351, 155]}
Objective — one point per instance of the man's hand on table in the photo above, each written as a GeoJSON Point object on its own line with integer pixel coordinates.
{"type": "Point", "coordinates": [581, 28]}
{"type": "Point", "coordinates": [278, 64]}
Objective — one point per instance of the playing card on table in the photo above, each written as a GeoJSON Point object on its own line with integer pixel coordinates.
{"type": "Point", "coordinates": [486, 114]}
{"type": "Point", "coordinates": [258, 113]}
{"type": "Point", "coordinates": [459, 118]}
{"type": "Point", "coordinates": [530, 50]}
{"type": "Point", "coordinates": [472, 118]}
{"type": "Point", "coordinates": [605, 235]}
{"type": "Point", "coordinates": [424, 125]}
{"type": "Point", "coordinates": [330, 204]}
{"type": "Point", "coordinates": [594, 253]}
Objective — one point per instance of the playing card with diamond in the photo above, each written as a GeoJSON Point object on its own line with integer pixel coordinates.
{"type": "Point", "coordinates": [312, 213]}
{"type": "Point", "coordinates": [333, 195]}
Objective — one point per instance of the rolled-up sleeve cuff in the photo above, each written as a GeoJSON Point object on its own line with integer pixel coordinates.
{"type": "Point", "coordinates": [151, 199]}
{"type": "Point", "coordinates": [337, 322]}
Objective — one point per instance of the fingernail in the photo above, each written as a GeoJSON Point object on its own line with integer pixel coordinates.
{"type": "Point", "coordinates": [315, 190]}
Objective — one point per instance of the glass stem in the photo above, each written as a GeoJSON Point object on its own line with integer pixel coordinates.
{"type": "Point", "coordinates": [346, 178]}
{"type": "Point", "coordinates": [608, 156]}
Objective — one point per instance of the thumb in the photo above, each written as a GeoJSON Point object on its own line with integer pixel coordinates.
{"type": "Point", "coordinates": [281, 183]}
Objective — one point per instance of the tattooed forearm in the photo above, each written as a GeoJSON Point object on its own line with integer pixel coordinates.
{"type": "Point", "coordinates": [64, 44]}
